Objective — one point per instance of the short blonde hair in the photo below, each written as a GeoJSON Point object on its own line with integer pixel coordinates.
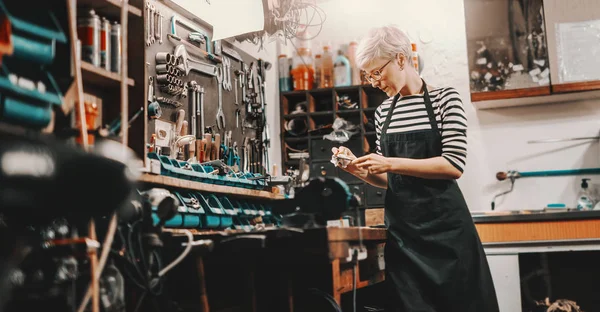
{"type": "Point", "coordinates": [383, 42]}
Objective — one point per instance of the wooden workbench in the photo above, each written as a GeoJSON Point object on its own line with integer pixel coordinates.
{"type": "Point", "coordinates": [269, 270]}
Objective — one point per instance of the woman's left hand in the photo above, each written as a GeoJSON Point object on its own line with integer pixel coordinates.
{"type": "Point", "coordinates": [374, 163]}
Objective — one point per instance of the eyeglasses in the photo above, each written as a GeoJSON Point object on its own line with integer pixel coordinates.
{"type": "Point", "coordinates": [376, 75]}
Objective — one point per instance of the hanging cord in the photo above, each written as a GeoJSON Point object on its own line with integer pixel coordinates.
{"type": "Point", "coordinates": [512, 185]}
{"type": "Point", "coordinates": [108, 240]}
{"type": "Point", "coordinates": [183, 254]}
{"type": "Point", "coordinates": [354, 277]}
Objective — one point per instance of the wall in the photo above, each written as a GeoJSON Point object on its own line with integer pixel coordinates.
{"type": "Point", "coordinates": [497, 138]}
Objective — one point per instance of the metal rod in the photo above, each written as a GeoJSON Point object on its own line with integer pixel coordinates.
{"type": "Point", "coordinates": [545, 173]}
{"type": "Point", "coordinates": [563, 140]}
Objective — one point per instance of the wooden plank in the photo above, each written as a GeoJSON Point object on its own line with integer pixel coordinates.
{"type": "Point", "coordinates": [538, 231]}
{"type": "Point", "coordinates": [101, 77]}
{"type": "Point", "coordinates": [352, 234]}
{"type": "Point", "coordinates": [374, 216]}
{"type": "Point", "coordinates": [509, 94]}
{"type": "Point", "coordinates": [205, 187]}
{"type": "Point", "coordinates": [576, 86]}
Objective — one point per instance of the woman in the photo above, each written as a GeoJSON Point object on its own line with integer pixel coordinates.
{"type": "Point", "coordinates": [434, 259]}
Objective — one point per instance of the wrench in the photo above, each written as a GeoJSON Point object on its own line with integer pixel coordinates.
{"type": "Point", "coordinates": [235, 89]}
{"type": "Point", "coordinates": [152, 21]}
{"type": "Point", "coordinates": [148, 33]}
{"type": "Point", "coordinates": [160, 28]}
{"type": "Point", "coordinates": [156, 24]}
{"type": "Point", "coordinates": [226, 74]}
{"type": "Point", "coordinates": [220, 115]}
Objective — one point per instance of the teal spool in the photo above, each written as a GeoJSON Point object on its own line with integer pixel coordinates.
{"type": "Point", "coordinates": [15, 111]}
{"type": "Point", "coordinates": [33, 50]}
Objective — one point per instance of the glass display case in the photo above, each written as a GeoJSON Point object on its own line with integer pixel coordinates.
{"type": "Point", "coordinates": [507, 48]}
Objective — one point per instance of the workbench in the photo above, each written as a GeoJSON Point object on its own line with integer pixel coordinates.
{"type": "Point", "coordinates": [562, 244]}
{"type": "Point", "coordinates": [270, 270]}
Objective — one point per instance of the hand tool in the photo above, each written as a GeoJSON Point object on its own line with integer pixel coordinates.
{"type": "Point", "coordinates": [148, 33]}
{"type": "Point", "coordinates": [193, 105]}
{"type": "Point", "coordinates": [220, 114]}
{"type": "Point", "coordinates": [184, 132]}
{"type": "Point", "coordinates": [226, 74]}
{"type": "Point", "coordinates": [216, 148]}
{"type": "Point", "coordinates": [235, 87]}
{"type": "Point", "coordinates": [237, 118]}
{"type": "Point", "coordinates": [176, 20]}
{"type": "Point", "coordinates": [180, 118]}
{"type": "Point", "coordinates": [195, 65]}
{"type": "Point", "coordinates": [207, 146]}
{"type": "Point", "coordinates": [168, 101]}
{"type": "Point", "coordinates": [160, 28]}
{"type": "Point", "coordinates": [200, 107]}
{"type": "Point", "coordinates": [150, 89]}
{"type": "Point", "coordinates": [233, 53]}
{"type": "Point", "coordinates": [152, 22]}
{"type": "Point", "coordinates": [156, 24]}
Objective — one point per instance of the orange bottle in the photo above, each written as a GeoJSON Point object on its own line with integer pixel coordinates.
{"type": "Point", "coordinates": [326, 69]}
{"type": "Point", "coordinates": [303, 71]}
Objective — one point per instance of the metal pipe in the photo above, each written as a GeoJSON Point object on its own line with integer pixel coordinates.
{"type": "Point", "coordinates": [545, 173]}
{"type": "Point", "coordinates": [564, 140]}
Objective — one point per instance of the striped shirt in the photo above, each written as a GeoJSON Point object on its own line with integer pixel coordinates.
{"type": "Point", "coordinates": [410, 115]}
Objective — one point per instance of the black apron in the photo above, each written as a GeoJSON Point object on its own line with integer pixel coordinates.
{"type": "Point", "coordinates": [434, 259]}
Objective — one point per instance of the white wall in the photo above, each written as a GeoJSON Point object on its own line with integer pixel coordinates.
{"type": "Point", "coordinates": [497, 138]}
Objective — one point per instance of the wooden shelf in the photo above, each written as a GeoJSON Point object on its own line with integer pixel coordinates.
{"type": "Point", "coordinates": [576, 86]}
{"type": "Point", "coordinates": [101, 77]}
{"type": "Point", "coordinates": [205, 187]}
{"type": "Point", "coordinates": [108, 8]}
{"type": "Point", "coordinates": [322, 113]}
{"type": "Point", "coordinates": [509, 94]}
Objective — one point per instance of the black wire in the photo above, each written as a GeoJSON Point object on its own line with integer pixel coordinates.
{"type": "Point", "coordinates": [139, 304]}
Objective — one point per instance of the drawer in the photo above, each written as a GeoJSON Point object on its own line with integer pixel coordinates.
{"type": "Point", "coordinates": [321, 149]}
{"type": "Point", "coordinates": [355, 145]}
{"type": "Point", "coordinates": [322, 169]}
{"type": "Point", "coordinates": [375, 196]}
{"type": "Point", "coordinates": [347, 177]}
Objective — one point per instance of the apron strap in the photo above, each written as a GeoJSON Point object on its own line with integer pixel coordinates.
{"type": "Point", "coordinates": [428, 106]}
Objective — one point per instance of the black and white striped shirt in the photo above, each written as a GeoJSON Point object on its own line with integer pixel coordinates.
{"type": "Point", "coordinates": [410, 115]}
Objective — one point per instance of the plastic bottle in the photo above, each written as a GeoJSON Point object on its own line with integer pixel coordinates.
{"type": "Point", "coordinates": [584, 198]}
{"type": "Point", "coordinates": [353, 67]}
{"type": "Point", "coordinates": [303, 72]}
{"type": "Point", "coordinates": [415, 56]}
{"type": "Point", "coordinates": [318, 66]}
{"type": "Point", "coordinates": [284, 73]}
{"type": "Point", "coordinates": [341, 70]}
{"type": "Point", "coordinates": [326, 68]}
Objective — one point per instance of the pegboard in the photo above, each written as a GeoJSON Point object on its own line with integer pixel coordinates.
{"type": "Point", "coordinates": [169, 113]}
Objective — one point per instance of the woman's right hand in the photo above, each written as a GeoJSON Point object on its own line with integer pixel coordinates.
{"type": "Point", "coordinates": [352, 169]}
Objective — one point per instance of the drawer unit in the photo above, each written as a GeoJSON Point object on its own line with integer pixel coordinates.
{"type": "Point", "coordinates": [375, 196]}
{"type": "Point", "coordinates": [321, 149]}
{"type": "Point", "coordinates": [322, 169]}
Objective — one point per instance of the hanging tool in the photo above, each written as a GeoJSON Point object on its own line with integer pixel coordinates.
{"type": "Point", "coordinates": [216, 147]}
{"type": "Point", "coordinates": [197, 32]}
{"type": "Point", "coordinates": [546, 173]}
{"type": "Point", "coordinates": [200, 107]}
{"type": "Point", "coordinates": [195, 65]}
{"type": "Point", "coordinates": [233, 53]}
{"type": "Point", "coordinates": [208, 146]}
{"type": "Point", "coordinates": [220, 114]}
{"type": "Point", "coordinates": [150, 89]}
{"type": "Point", "coordinates": [152, 22]}
{"type": "Point", "coordinates": [226, 74]}
{"type": "Point", "coordinates": [148, 25]}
